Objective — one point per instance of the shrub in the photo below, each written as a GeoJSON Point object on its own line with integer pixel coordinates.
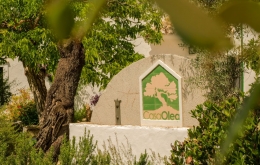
{"type": "Point", "coordinates": [22, 151]}
{"type": "Point", "coordinates": [18, 148]}
{"type": "Point", "coordinates": [22, 108]}
{"type": "Point", "coordinates": [5, 87]}
{"type": "Point", "coordinates": [83, 114]}
{"type": "Point", "coordinates": [81, 153]}
{"type": "Point", "coordinates": [7, 137]}
{"type": "Point", "coordinates": [121, 154]}
{"type": "Point", "coordinates": [214, 75]}
{"type": "Point", "coordinates": [203, 143]}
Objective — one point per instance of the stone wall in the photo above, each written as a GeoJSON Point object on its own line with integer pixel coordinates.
{"type": "Point", "coordinates": [157, 139]}
{"type": "Point", "coordinates": [125, 86]}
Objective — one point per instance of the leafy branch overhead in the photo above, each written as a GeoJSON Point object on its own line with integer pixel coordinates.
{"type": "Point", "coordinates": [23, 34]}
{"type": "Point", "coordinates": [30, 30]}
{"type": "Point", "coordinates": [107, 30]}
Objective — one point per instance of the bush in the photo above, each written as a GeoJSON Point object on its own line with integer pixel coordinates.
{"type": "Point", "coordinates": [22, 108]}
{"type": "Point", "coordinates": [7, 137]}
{"type": "Point", "coordinates": [83, 114]}
{"type": "Point", "coordinates": [18, 148]}
{"type": "Point", "coordinates": [203, 143]}
{"type": "Point", "coordinates": [214, 75]}
{"type": "Point", "coordinates": [5, 87]}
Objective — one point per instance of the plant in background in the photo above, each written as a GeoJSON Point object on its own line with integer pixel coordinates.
{"type": "Point", "coordinates": [21, 151]}
{"type": "Point", "coordinates": [7, 136]}
{"type": "Point", "coordinates": [18, 148]}
{"type": "Point", "coordinates": [78, 153]}
{"type": "Point", "coordinates": [204, 141]}
{"type": "Point", "coordinates": [122, 154]}
{"type": "Point", "coordinates": [5, 87]}
{"type": "Point", "coordinates": [83, 114]}
{"type": "Point", "coordinates": [215, 76]}
{"type": "Point", "coordinates": [79, 115]}
{"type": "Point", "coordinates": [94, 99]}
{"type": "Point", "coordinates": [22, 108]}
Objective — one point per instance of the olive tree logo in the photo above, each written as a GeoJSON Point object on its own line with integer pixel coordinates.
{"type": "Point", "coordinates": [160, 95]}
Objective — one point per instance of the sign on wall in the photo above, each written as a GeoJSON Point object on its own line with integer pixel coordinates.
{"type": "Point", "coordinates": [160, 93]}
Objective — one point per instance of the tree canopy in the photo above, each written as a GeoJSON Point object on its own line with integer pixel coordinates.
{"type": "Point", "coordinates": [31, 30]}
{"type": "Point", "coordinates": [25, 34]}
{"type": "Point", "coordinates": [108, 44]}
{"type": "Point", "coordinates": [65, 36]}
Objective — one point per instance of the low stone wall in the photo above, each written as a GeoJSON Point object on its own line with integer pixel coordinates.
{"type": "Point", "coordinates": [141, 138]}
{"type": "Point", "coordinates": [126, 86]}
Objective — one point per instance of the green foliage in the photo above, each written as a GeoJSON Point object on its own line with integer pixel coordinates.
{"type": "Point", "coordinates": [204, 141]}
{"type": "Point", "coordinates": [108, 43]}
{"type": "Point", "coordinates": [80, 153]}
{"type": "Point", "coordinates": [251, 55]}
{"type": "Point", "coordinates": [143, 160]}
{"type": "Point", "coordinates": [101, 158]}
{"type": "Point", "coordinates": [215, 76]}
{"type": "Point", "coordinates": [5, 87]}
{"type": "Point", "coordinates": [18, 148]}
{"type": "Point", "coordinates": [229, 13]}
{"type": "Point", "coordinates": [80, 114]}
{"type": "Point", "coordinates": [24, 34]}
{"type": "Point", "coordinates": [121, 154]}
{"type": "Point", "coordinates": [84, 152]}
{"type": "Point", "coordinates": [7, 136]}
{"type": "Point", "coordinates": [83, 114]}
{"type": "Point", "coordinates": [28, 114]}
{"type": "Point", "coordinates": [24, 152]}
{"type": "Point", "coordinates": [22, 108]}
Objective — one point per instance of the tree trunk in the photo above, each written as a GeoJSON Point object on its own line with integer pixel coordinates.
{"type": "Point", "coordinates": [37, 85]}
{"type": "Point", "coordinates": [59, 109]}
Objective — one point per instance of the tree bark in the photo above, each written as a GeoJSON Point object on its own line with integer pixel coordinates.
{"type": "Point", "coordinates": [36, 80]}
{"type": "Point", "coordinates": [59, 109]}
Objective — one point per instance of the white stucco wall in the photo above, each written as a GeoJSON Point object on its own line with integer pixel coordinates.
{"type": "Point", "coordinates": [14, 72]}
{"type": "Point", "coordinates": [84, 94]}
{"type": "Point", "coordinates": [249, 78]}
{"type": "Point", "coordinates": [170, 45]}
{"type": "Point", "coordinates": [142, 47]}
{"type": "Point", "coordinates": [140, 138]}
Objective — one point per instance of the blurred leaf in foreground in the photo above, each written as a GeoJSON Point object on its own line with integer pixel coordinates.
{"type": "Point", "coordinates": [60, 18]}
{"type": "Point", "coordinates": [94, 9]}
{"type": "Point", "coordinates": [246, 12]}
{"type": "Point", "coordinates": [236, 125]}
{"type": "Point", "coordinates": [194, 26]}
